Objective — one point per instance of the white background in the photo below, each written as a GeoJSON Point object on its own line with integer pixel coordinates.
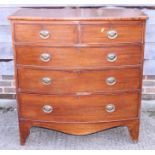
{"type": "Point", "coordinates": [80, 2]}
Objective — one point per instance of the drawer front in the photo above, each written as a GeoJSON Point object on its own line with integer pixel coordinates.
{"type": "Point", "coordinates": [53, 34]}
{"type": "Point", "coordinates": [79, 109]}
{"type": "Point", "coordinates": [79, 57]}
{"type": "Point", "coordinates": [58, 82]}
{"type": "Point", "coordinates": [112, 33]}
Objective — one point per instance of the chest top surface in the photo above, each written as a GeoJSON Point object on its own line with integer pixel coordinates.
{"type": "Point", "coordinates": [78, 14]}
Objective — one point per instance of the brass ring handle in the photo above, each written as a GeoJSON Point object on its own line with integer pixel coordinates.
{"type": "Point", "coordinates": [47, 109]}
{"type": "Point", "coordinates": [44, 34]}
{"type": "Point", "coordinates": [112, 34]}
{"type": "Point", "coordinates": [45, 57]}
{"type": "Point", "coordinates": [46, 80]}
{"type": "Point", "coordinates": [111, 81]}
{"type": "Point", "coordinates": [111, 57]}
{"type": "Point", "coordinates": [110, 108]}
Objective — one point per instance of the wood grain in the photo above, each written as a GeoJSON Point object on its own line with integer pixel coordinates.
{"type": "Point", "coordinates": [73, 109]}
{"type": "Point", "coordinates": [79, 57]}
{"type": "Point", "coordinates": [30, 80]}
{"type": "Point", "coordinates": [59, 34]}
{"type": "Point", "coordinates": [92, 34]}
{"type": "Point", "coordinates": [79, 14]}
{"type": "Point", "coordinates": [79, 128]}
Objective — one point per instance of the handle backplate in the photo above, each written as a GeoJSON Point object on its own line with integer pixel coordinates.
{"type": "Point", "coordinates": [110, 108]}
{"type": "Point", "coordinates": [47, 109]}
{"type": "Point", "coordinates": [44, 34]}
{"type": "Point", "coordinates": [112, 34]}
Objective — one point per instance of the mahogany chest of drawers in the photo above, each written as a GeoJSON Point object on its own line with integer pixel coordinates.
{"type": "Point", "coordinates": [78, 71]}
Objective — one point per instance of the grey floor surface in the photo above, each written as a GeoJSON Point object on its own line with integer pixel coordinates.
{"type": "Point", "coordinates": [44, 139]}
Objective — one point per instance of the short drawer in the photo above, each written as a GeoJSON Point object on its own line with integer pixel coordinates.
{"type": "Point", "coordinates": [112, 33]}
{"type": "Point", "coordinates": [73, 81]}
{"type": "Point", "coordinates": [95, 108]}
{"type": "Point", "coordinates": [45, 33]}
{"type": "Point", "coordinates": [79, 57]}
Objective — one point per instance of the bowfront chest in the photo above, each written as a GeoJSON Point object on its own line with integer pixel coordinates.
{"type": "Point", "coordinates": [78, 71]}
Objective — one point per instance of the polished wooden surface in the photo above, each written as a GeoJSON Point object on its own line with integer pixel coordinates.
{"type": "Point", "coordinates": [72, 81]}
{"type": "Point", "coordinates": [81, 109]}
{"type": "Point", "coordinates": [79, 14]}
{"type": "Point", "coordinates": [79, 128]}
{"type": "Point", "coordinates": [79, 57]}
{"type": "Point", "coordinates": [78, 43]}
{"type": "Point", "coordinates": [62, 33]}
{"type": "Point", "coordinates": [132, 32]}
{"type": "Point", "coordinates": [59, 34]}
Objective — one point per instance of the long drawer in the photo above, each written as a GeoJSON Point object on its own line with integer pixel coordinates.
{"type": "Point", "coordinates": [94, 108]}
{"type": "Point", "coordinates": [79, 57]}
{"type": "Point", "coordinates": [71, 81]}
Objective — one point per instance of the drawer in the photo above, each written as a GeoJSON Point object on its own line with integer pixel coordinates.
{"type": "Point", "coordinates": [112, 33]}
{"type": "Point", "coordinates": [93, 108]}
{"type": "Point", "coordinates": [53, 34]}
{"type": "Point", "coordinates": [67, 81]}
{"type": "Point", "coordinates": [79, 57]}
